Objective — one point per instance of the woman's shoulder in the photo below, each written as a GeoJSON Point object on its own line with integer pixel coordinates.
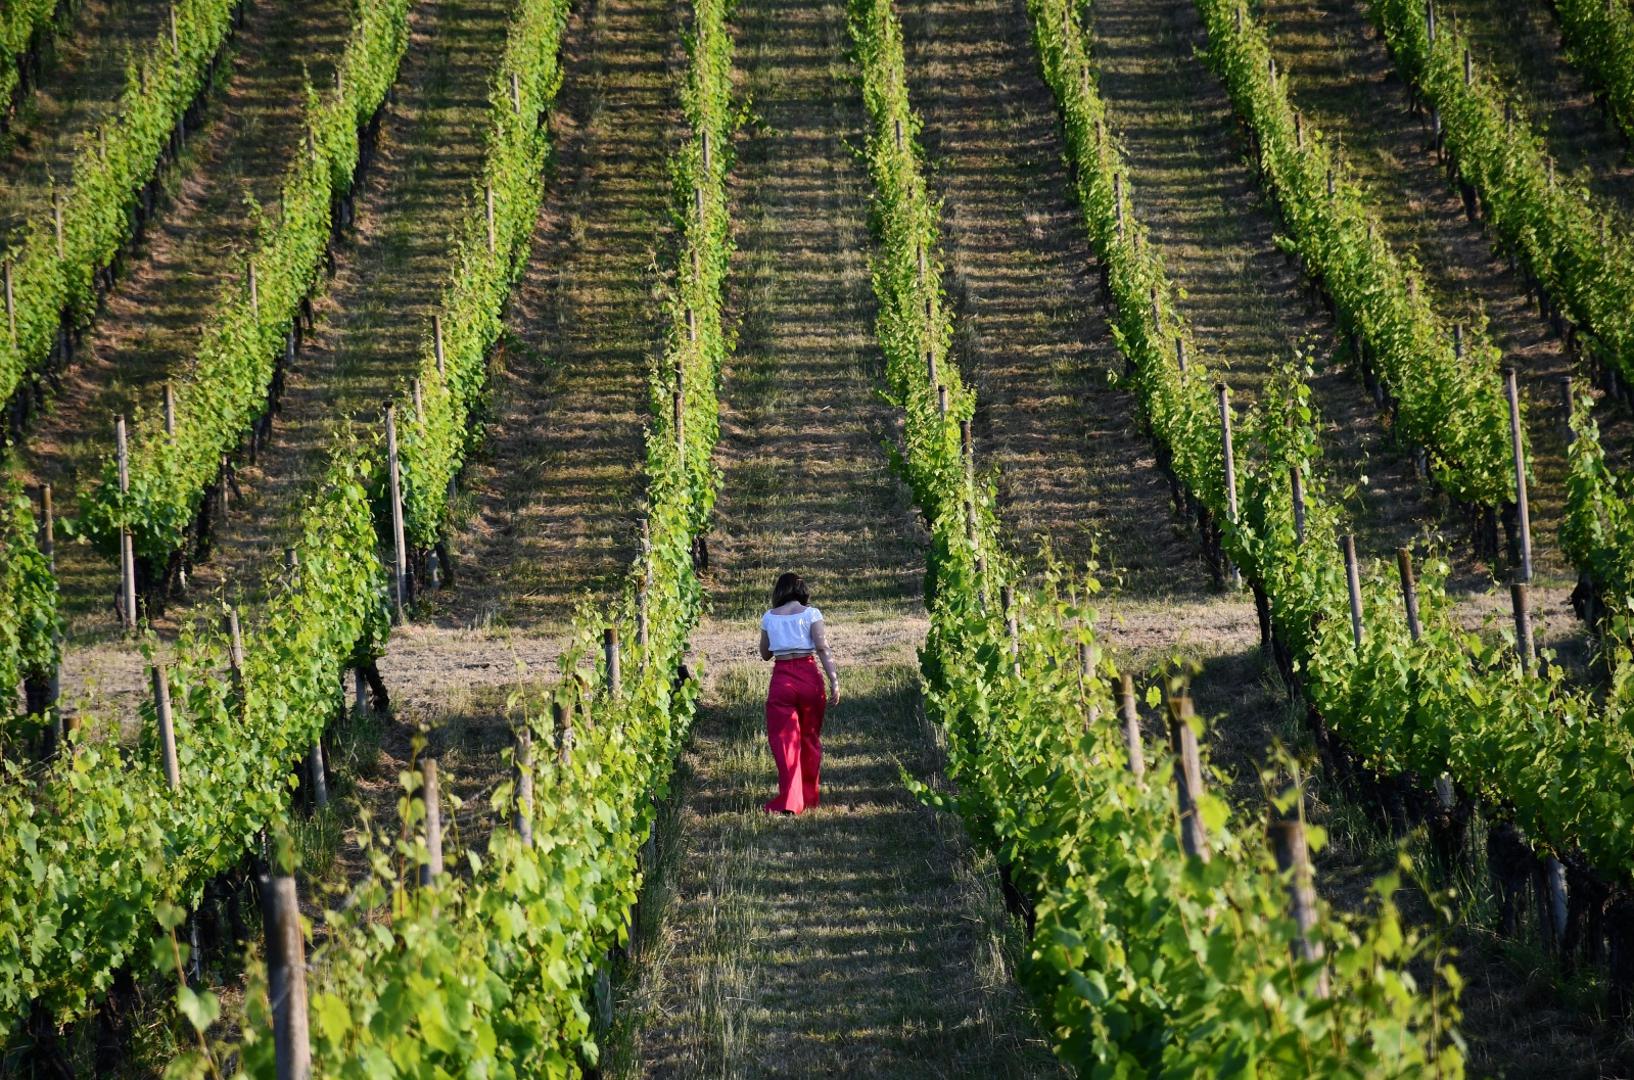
{"type": "Point", "coordinates": [812, 614]}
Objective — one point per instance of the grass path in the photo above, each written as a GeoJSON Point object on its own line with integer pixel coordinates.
{"type": "Point", "coordinates": [390, 269]}
{"type": "Point", "coordinates": [1031, 333]}
{"type": "Point", "coordinates": [551, 503]}
{"type": "Point", "coordinates": [80, 84]}
{"type": "Point", "coordinates": [150, 324]}
{"type": "Point", "coordinates": [862, 939]}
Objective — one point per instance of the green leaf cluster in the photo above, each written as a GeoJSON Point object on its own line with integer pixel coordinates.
{"type": "Point", "coordinates": [52, 280]}
{"type": "Point", "coordinates": [21, 22]}
{"type": "Point", "coordinates": [1600, 39]}
{"type": "Point", "coordinates": [1451, 405]}
{"type": "Point", "coordinates": [239, 348]}
{"type": "Point", "coordinates": [30, 627]}
{"type": "Point", "coordinates": [100, 843]}
{"type": "Point", "coordinates": [1571, 243]}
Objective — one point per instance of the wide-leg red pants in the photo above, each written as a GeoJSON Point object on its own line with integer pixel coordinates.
{"type": "Point", "coordinates": [794, 726]}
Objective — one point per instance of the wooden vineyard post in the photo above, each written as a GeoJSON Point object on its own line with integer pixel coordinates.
{"type": "Point", "coordinates": [437, 343]}
{"type": "Point", "coordinates": [516, 93]}
{"type": "Point", "coordinates": [1293, 859]}
{"type": "Point", "coordinates": [1297, 482]}
{"type": "Point", "coordinates": [359, 702]}
{"type": "Point", "coordinates": [1224, 393]}
{"type": "Point", "coordinates": [170, 409]}
{"type": "Point", "coordinates": [53, 690]}
{"type": "Point", "coordinates": [679, 419]}
{"type": "Point", "coordinates": [316, 776]}
{"type": "Point", "coordinates": [1523, 515]}
{"type": "Point", "coordinates": [941, 401]}
{"type": "Point", "coordinates": [11, 304]}
{"type": "Point", "coordinates": [433, 866]}
{"type": "Point", "coordinates": [562, 724]}
{"type": "Point", "coordinates": [522, 768]}
{"type": "Point", "coordinates": [610, 656]}
{"type": "Point", "coordinates": [255, 291]}
{"type": "Point", "coordinates": [400, 571]}
{"type": "Point", "coordinates": [286, 977]}
{"type": "Point", "coordinates": [967, 453]}
{"type": "Point", "coordinates": [127, 551]}
{"type": "Point", "coordinates": [1524, 646]}
{"type": "Point", "coordinates": [488, 196]}
{"type": "Point", "coordinates": [1180, 353]}
{"type": "Point", "coordinates": [1012, 626]}
{"type": "Point", "coordinates": [1568, 409]}
{"type": "Point", "coordinates": [1409, 592]}
{"type": "Point", "coordinates": [1353, 585]}
{"type": "Point", "coordinates": [167, 726]}
{"type": "Point", "coordinates": [56, 220]}
{"type": "Point", "coordinates": [930, 367]}
{"type": "Point", "coordinates": [235, 654]}
{"type": "Point", "coordinates": [1131, 725]}
{"type": "Point", "coordinates": [1188, 777]}
{"type": "Point", "coordinates": [48, 528]}
{"type": "Point", "coordinates": [1117, 201]}
{"type": "Point", "coordinates": [897, 125]}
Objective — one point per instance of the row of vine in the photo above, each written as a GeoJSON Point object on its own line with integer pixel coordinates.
{"type": "Point", "coordinates": [489, 969]}
{"type": "Point", "coordinates": [1133, 939]}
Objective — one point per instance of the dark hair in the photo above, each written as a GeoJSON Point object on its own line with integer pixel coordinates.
{"type": "Point", "coordinates": [790, 586]}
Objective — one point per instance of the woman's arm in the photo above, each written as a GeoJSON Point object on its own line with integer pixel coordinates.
{"type": "Point", "coordinates": [819, 642]}
{"type": "Point", "coordinates": [765, 645]}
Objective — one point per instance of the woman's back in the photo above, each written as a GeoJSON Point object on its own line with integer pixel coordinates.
{"type": "Point", "coordinates": [789, 627]}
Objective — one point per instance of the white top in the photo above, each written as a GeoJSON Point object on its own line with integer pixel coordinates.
{"type": "Point", "coordinates": [790, 633]}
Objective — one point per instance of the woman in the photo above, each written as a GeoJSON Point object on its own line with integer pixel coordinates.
{"type": "Point", "coordinates": [792, 634]}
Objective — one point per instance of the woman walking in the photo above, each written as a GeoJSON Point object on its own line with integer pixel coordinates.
{"type": "Point", "coordinates": [791, 633]}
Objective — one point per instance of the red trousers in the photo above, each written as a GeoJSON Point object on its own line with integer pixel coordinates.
{"type": "Point", "coordinates": [794, 726]}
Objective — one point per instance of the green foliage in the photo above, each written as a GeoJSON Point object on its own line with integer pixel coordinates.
{"type": "Point", "coordinates": [49, 281]}
{"type": "Point", "coordinates": [21, 24]}
{"type": "Point", "coordinates": [488, 974]}
{"type": "Point", "coordinates": [1449, 703]}
{"type": "Point", "coordinates": [1561, 234]}
{"type": "Point", "coordinates": [30, 628]}
{"type": "Point", "coordinates": [1135, 942]}
{"type": "Point", "coordinates": [101, 847]}
{"type": "Point", "coordinates": [1453, 406]}
{"type": "Point", "coordinates": [1600, 40]}
{"type": "Point", "coordinates": [240, 346]}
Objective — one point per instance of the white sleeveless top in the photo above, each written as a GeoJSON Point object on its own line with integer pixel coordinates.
{"type": "Point", "coordinates": [790, 633]}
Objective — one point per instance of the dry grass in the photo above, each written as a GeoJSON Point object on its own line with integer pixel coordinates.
{"type": "Point", "coordinates": [149, 326]}
{"type": "Point", "coordinates": [82, 78]}
{"type": "Point", "coordinates": [864, 938]}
